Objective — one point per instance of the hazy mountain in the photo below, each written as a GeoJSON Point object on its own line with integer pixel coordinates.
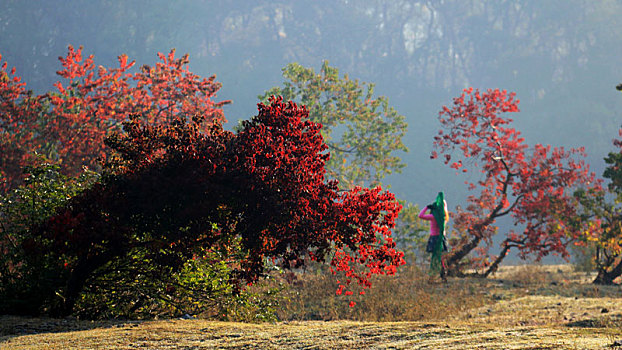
{"type": "Point", "coordinates": [562, 57]}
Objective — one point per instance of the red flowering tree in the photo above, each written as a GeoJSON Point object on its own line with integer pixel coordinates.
{"type": "Point", "coordinates": [174, 190]}
{"type": "Point", "coordinates": [19, 126]}
{"type": "Point", "coordinates": [533, 185]}
{"type": "Point", "coordinates": [69, 125]}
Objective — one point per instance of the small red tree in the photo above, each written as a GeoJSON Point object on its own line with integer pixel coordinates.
{"type": "Point", "coordinates": [69, 125]}
{"type": "Point", "coordinates": [178, 188]}
{"type": "Point", "coordinates": [533, 186]}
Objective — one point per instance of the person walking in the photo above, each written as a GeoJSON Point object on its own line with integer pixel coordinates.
{"type": "Point", "coordinates": [437, 243]}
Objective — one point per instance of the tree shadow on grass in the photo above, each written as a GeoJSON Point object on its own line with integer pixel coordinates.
{"type": "Point", "coordinates": [605, 321]}
{"type": "Point", "coordinates": [553, 280]}
{"type": "Point", "coordinates": [581, 290]}
{"type": "Point", "coordinates": [16, 326]}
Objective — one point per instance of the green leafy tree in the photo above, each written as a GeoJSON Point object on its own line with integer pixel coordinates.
{"type": "Point", "coordinates": [600, 223]}
{"type": "Point", "coordinates": [600, 218]}
{"type": "Point", "coordinates": [410, 233]}
{"type": "Point", "coordinates": [363, 133]}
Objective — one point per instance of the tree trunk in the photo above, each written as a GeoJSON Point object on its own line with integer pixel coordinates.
{"type": "Point", "coordinates": [72, 291]}
{"type": "Point", "coordinates": [80, 274]}
{"type": "Point", "coordinates": [453, 258]}
{"type": "Point", "coordinates": [606, 276]}
{"type": "Point", "coordinates": [495, 265]}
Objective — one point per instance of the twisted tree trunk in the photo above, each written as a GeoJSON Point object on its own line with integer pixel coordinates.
{"type": "Point", "coordinates": [606, 276]}
{"type": "Point", "coordinates": [455, 256]}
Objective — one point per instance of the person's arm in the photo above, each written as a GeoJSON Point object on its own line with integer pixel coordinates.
{"type": "Point", "coordinates": [424, 216]}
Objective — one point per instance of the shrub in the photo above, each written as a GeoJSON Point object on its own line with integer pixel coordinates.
{"type": "Point", "coordinates": [23, 276]}
{"type": "Point", "coordinates": [135, 288]}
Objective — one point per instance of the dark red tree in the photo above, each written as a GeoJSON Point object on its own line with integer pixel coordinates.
{"type": "Point", "coordinates": [531, 185]}
{"type": "Point", "coordinates": [175, 188]}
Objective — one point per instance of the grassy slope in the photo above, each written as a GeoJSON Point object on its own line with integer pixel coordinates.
{"type": "Point", "coordinates": [542, 315]}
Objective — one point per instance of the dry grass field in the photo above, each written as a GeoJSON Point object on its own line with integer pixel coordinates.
{"type": "Point", "coordinates": [526, 307]}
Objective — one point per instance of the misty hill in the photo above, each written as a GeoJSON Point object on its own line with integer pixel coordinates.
{"type": "Point", "coordinates": [561, 57]}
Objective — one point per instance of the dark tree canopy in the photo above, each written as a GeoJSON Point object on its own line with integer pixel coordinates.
{"type": "Point", "coordinates": [173, 190]}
